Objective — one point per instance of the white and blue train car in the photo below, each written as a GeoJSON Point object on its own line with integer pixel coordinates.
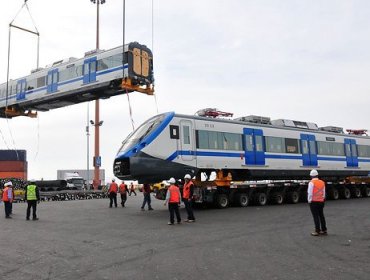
{"type": "Point", "coordinates": [172, 145]}
{"type": "Point", "coordinates": [97, 75]}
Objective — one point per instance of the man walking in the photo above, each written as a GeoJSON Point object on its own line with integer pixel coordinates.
{"type": "Point", "coordinates": [123, 192]}
{"type": "Point", "coordinates": [316, 199]}
{"type": "Point", "coordinates": [8, 198]}
{"type": "Point", "coordinates": [112, 192]}
{"type": "Point", "coordinates": [173, 199]}
{"type": "Point", "coordinates": [146, 193]}
{"type": "Point", "coordinates": [32, 196]}
{"type": "Point", "coordinates": [187, 196]}
{"type": "Point", "coordinates": [132, 189]}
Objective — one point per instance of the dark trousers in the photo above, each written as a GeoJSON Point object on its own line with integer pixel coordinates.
{"type": "Point", "coordinates": [113, 198]}
{"type": "Point", "coordinates": [33, 204]}
{"type": "Point", "coordinates": [123, 199]}
{"type": "Point", "coordinates": [189, 208]}
{"type": "Point", "coordinates": [147, 199]}
{"type": "Point", "coordinates": [174, 209]}
{"type": "Point", "coordinates": [7, 207]}
{"type": "Point", "coordinates": [132, 191]}
{"type": "Point", "coordinates": [317, 210]}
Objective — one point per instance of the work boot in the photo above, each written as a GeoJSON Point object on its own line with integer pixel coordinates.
{"type": "Point", "coordinates": [35, 219]}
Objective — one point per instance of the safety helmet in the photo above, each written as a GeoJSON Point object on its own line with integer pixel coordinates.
{"type": "Point", "coordinates": [187, 176]}
{"type": "Point", "coordinates": [113, 180]}
{"type": "Point", "coordinates": [8, 184]}
{"type": "Point", "coordinates": [314, 173]}
{"type": "Point", "coordinates": [172, 180]}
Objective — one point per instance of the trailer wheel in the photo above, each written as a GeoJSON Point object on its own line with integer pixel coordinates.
{"type": "Point", "coordinates": [243, 200]}
{"type": "Point", "coordinates": [261, 199]}
{"type": "Point", "coordinates": [222, 201]}
{"type": "Point", "coordinates": [293, 197]}
{"type": "Point", "coordinates": [366, 191]}
{"type": "Point", "coordinates": [356, 192]}
{"type": "Point", "coordinates": [278, 198]}
{"type": "Point", "coordinates": [334, 194]}
{"type": "Point", "coordinates": [346, 194]}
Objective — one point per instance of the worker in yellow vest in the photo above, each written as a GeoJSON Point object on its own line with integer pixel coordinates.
{"type": "Point", "coordinates": [316, 199]}
{"type": "Point", "coordinates": [32, 196]}
{"type": "Point", "coordinates": [7, 198]}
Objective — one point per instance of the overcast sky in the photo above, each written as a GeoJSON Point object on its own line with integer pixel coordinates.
{"type": "Point", "coordinates": [302, 60]}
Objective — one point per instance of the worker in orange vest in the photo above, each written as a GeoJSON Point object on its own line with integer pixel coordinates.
{"type": "Point", "coordinates": [8, 198]}
{"type": "Point", "coordinates": [316, 199]}
{"type": "Point", "coordinates": [123, 192]}
{"type": "Point", "coordinates": [173, 199]}
{"type": "Point", "coordinates": [187, 198]}
{"type": "Point", "coordinates": [112, 192]}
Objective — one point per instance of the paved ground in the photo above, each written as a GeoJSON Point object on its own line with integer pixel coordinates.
{"type": "Point", "coordinates": [88, 240]}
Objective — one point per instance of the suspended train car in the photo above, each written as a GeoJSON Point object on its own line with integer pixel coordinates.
{"type": "Point", "coordinates": [97, 75]}
{"type": "Point", "coordinates": [249, 148]}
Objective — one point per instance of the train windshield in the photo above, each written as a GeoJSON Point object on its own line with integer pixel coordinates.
{"type": "Point", "coordinates": [141, 132]}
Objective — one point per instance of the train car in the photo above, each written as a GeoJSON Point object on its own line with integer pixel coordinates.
{"type": "Point", "coordinates": [97, 75]}
{"type": "Point", "coordinates": [245, 149]}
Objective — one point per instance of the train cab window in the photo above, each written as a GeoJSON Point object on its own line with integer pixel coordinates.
{"type": "Point", "coordinates": [186, 134]}
{"type": "Point", "coordinates": [274, 144]}
{"type": "Point", "coordinates": [292, 146]}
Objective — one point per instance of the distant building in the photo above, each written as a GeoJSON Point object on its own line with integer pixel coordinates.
{"type": "Point", "coordinates": [83, 173]}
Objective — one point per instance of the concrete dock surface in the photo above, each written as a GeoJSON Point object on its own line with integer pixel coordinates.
{"type": "Point", "coordinates": [88, 240]}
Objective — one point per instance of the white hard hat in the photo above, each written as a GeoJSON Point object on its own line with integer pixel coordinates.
{"type": "Point", "coordinates": [113, 180]}
{"type": "Point", "coordinates": [187, 176]}
{"type": "Point", "coordinates": [8, 184]}
{"type": "Point", "coordinates": [314, 173]}
{"type": "Point", "coordinates": [172, 180]}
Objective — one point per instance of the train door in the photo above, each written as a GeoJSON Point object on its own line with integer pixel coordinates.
{"type": "Point", "coordinates": [309, 152]}
{"type": "Point", "coordinates": [89, 70]}
{"type": "Point", "coordinates": [52, 81]}
{"type": "Point", "coordinates": [187, 140]}
{"type": "Point", "coordinates": [351, 152]}
{"type": "Point", "coordinates": [254, 147]}
{"type": "Point", "coordinates": [21, 89]}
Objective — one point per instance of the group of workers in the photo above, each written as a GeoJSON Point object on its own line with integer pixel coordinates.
{"type": "Point", "coordinates": [31, 195]}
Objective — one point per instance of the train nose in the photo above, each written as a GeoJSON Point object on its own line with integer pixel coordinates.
{"type": "Point", "coordinates": [121, 167]}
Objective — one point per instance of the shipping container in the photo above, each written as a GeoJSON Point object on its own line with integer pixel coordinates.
{"type": "Point", "coordinates": [9, 175]}
{"type": "Point", "coordinates": [7, 166]}
{"type": "Point", "coordinates": [10, 155]}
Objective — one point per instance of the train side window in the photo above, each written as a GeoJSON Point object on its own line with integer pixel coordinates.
{"type": "Point", "coordinates": [232, 141]}
{"type": "Point", "coordinates": [363, 151]}
{"type": "Point", "coordinates": [292, 146]}
{"type": "Point", "coordinates": [174, 132]}
{"type": "Point", "coordinates": [186, 134]}
{"type": "Point", "coordinates": [274, 144]}
{"type": "Point", "coordinates": [202, 139]}
{"type": "Point", "coordinates": [40, 82]}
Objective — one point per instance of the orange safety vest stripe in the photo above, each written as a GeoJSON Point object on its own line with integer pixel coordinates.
{"type": "Point", "coordinates": [318, 190]}
{"type": "Point", "coordinates": [174, 194]}
{"type": "Point", "coordinates": [113, 188]}
{"type": "Point", "coordinates": [122, 188]}
{"type": "Point", "coordinates": [5, 194]}
{"type": "Point", "coordinates": [186, 190]}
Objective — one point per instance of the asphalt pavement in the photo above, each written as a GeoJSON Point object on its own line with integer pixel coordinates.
{"type": "Point", "coordinates": [88, 240]}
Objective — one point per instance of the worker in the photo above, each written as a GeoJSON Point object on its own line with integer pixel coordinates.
{"type": "Point", "coordinates": [173, 199]}
{"type": "Point", "coordinates": [146, 193]}
{"type": "Point", "coordinates": [187, 198]}
{"type": "Point", "coordinates": [132, 189]}
{"type": "Point", "coordinates": [123, 192]}
{"type": "Point", "coordinates": [8, 198]}
{"type": "Point", "coordinates": [112, 192]}
{"type": "Point", "coordinates": [32, 196]}
{"type": "Point", "coordinates": [316, 199]}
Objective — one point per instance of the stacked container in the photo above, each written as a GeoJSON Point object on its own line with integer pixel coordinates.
{"type": "Point", "coordinates": [13, 164]}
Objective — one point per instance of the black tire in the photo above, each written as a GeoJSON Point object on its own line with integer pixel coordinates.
{"type": "Point", "coordinates": [222, 201]}
{"type": "Point", "coordinates": [334, 194]}
{"type": "Point", "coordinates": [356, 192]}
{"type": "Point", "coordinates": [277, 198]}
{"type": "Point", "coordinates": [366, 192]}
{"type": "Point", "coordinates": [346, 193]}
{"type": "Point", "coordinates": [260, 199]}
{"type": "Point", "coordinates": [243, 199]}
{"type": "Point", "coordinates": [293, 197]}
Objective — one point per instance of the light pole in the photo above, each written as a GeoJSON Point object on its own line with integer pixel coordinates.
{"type": "Point", "coordinates": [97, 159]}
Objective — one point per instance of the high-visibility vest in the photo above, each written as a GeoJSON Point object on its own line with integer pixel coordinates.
{"type": "Point", "coordinates": [31, 192]}
{"type": "Point", "coordinates": [186, 190]}
{"type": "Point", "coordinates": [113, 188]}
{"type": "Point", "coordinates": [122, 188]}
{"type": "Point", "coordinates": [5, 194]}
{"type": "Point", "coordinates": [318, 190]}
{"type": "Point", "coordinates": [174, 194]}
